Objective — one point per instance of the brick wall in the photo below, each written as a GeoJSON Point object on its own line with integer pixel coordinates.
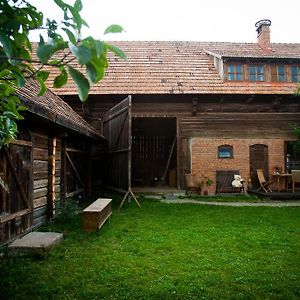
{"type": "Point", "coordinates": [205, 161]}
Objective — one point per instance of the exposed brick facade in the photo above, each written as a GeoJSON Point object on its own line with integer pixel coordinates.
{"type": "Point", "coordinates": [205, 161]}
{"type": "Point", "coordinates": [263, 38]}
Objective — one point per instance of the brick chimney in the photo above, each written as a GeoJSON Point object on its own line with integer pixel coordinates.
{"type": "Point", "coordinates": [263, 34]}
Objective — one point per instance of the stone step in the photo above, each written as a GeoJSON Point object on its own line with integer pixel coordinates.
{"type": "Point", "coordinates": [36, 242]}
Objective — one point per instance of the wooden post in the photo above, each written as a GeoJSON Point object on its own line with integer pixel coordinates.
{"type": "Point", "coordinates": [169, 160]}
{"type": "Point", "coordinates": [129, 192]}
{"type": "Point", "coordinates": [51, 176]}
{"type": "Point", "coordinates": [88, 181]}
{"type": "Point", "coordinates": [63, 171]}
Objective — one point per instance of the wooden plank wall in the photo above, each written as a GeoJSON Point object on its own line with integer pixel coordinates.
{"type": "Point", "coordinates": [15, 187]}
{"type": "Point", "coordinates": [40, 178]}
{"type": "Point", "coordinates": [239, 125]}
{"type": "Point", "coordinates": [46, 176]}
{"type": "Point", "coordinates": [38, 164]}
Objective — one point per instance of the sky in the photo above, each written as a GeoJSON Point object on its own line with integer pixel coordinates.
{"type": "Point", "coordinates": [186, 20]}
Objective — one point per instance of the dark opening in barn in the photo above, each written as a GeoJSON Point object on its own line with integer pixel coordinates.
{"type": "Point", "coordinates": [154, 159]}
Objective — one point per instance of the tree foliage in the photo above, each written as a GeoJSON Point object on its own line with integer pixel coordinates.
{"type": "Point", "coordinates": [17, 62]}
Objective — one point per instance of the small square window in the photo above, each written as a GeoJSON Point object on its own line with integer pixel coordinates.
{"type": "Point", "coordinates": [234, 72]}
{"type": "Point", "coordinates": [256, 73]}
{"type": "Point", "coordinates": [225, 151]}
{"type": "Point", "coordinates": [295, 73]}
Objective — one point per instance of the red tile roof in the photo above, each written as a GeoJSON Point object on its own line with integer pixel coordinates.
{"type": "Point", "coordinates": [251, 50]}
{"type": "Point", "coordinates": [53, 108]}
{"type": "Point", "coordinates": [183, 68]}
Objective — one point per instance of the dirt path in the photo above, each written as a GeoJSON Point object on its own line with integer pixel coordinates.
{"type": "Point", "coordinates": [239, 204]}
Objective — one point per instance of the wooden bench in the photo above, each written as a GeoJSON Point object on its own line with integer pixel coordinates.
{"type": "Point", "coordinates": [224, 179]}
{"type": "Point", "coordinates": [95, 215]}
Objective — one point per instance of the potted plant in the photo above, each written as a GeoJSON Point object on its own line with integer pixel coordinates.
{"type": "Point", "coordinates": [208, 182]}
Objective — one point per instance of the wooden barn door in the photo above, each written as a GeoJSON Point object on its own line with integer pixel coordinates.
{"type": "Point", "coordinates": [117, 130]}
{"type": "Point", "coordinates": [117, 125]}
{"type": "Point", "coordinates": [15, 189]}
{"type": "Point", "coordinates": [259, 159]}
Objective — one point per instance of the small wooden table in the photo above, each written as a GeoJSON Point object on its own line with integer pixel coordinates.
{"type": "Point", "coordinates": [284, 177]}
{"type": "Point", "coordinates": [95, 215]}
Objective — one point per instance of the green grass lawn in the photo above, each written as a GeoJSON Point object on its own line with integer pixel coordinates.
{"type": "Point", "coordinates": [166, 251]}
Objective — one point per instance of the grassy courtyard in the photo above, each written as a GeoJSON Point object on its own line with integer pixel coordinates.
{"type": "Point", "coordinates": [166, 251]}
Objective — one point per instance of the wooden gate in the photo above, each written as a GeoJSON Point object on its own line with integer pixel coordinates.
{"type": "Point", "coordinates": [259, 159]}
{"type": "Point", "coordinates": [117, 129]}
{"type": "Point", "coordinates": [15, 189]}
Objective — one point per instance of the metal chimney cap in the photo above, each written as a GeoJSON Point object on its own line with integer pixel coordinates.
{"type": "Point", "coordinates": [266, 22]}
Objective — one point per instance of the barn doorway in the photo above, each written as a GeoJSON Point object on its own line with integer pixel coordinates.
{"type": "Point", "coordinates": [259, 159]}
{"type": "Point", "coordinates": [154, 152]}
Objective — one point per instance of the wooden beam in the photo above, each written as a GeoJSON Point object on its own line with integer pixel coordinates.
{"type": "Point", "coordinates": [20, 187]}
{"type": "Point", "coordinates": [74, 169]}
{"type": "Point", "coordinates": [121, 111]}
{"type": "Point", "coordinates": [74, 193]}
{"type": "Point", "coordinates": [74, 150]}
{"type": "Point", "coordinates": [20, 213]}
{"type": "Point", "coordinates": [3, 184]}
{"type": "Point", "coordinates": [64, 170]}
{"type": "Point", "coordinates": [51, 176]}
{"type": "Point", "coordinates": [127, 195]}
{"type": "Point", "coordinates": [169, 160]}
{"type": "Point", "coordinates": [20, 142]}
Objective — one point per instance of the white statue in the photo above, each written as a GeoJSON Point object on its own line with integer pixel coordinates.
{"type": "Point", "coordinates": [238, 181]}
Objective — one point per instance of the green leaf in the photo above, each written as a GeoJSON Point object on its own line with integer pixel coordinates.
{"type": "Point", "coordinates": [78, 5]}
{"type": "Point", "coordinates": [101, 47]}
{"type": "Point", "coordinates": [70, 34]}
{"type": "Point", "coordinates": [81, 83]}
{"type": "Point", "coordinates": [61, 4]}
{"type": "Point", "coordinates": [61, 79]}
{"type": "Point", "coordinates": [44, 52]}
{"type": "Point", "coordinates": [77, 18]}
{"type": "Point", "coordinates": [43, 88]}
{"type": "Point", "coordinates": [6, 43]}
{"type": "Point", "coordinates": [4, 73]}
{"type": "Point", "coordinates": [95, 72]}
{"type": "Point", "coordinates": [117, 51]}
{"type": "Point", "coordinates": [60, 45]}
{"type": "Point", "coordinates": [114, 28]}
{"type": "Point", "coordinates": [82, 53]}
{"type": "Point", "coordinates": [19, 77]}
{"type": "Point", "coordinates": [43, 75]}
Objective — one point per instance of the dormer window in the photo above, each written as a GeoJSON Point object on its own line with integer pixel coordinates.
{"type": "Point", "coordinates": [295, 73]}
{"type": "Point", "coordinates": [234, 72]}
{"type": "Point", "coordinates": [278, 73]}
{"type": "Point", "coordinates": [256, 73]}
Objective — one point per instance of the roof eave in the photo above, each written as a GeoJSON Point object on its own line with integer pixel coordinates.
{"type": "Point", "coordinates": [43, 112]}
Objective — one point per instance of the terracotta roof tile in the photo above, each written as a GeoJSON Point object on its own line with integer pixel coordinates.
{"type": "Point", "coordinates": [251, 50]}
{"type": "Point", "coordinates": [181, 67]}
{"type": "Point", "coordinates": [53, 108]}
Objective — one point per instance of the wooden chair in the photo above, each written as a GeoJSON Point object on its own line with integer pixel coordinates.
{"type": "Point", "coordinates": [264, 184]}
{"type": "Point", "coordinates": [295, 178]}
{"type": "Point", "coordinates": [191, 184]}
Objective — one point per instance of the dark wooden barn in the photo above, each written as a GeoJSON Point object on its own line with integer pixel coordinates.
{"type": "Point", "coordinates": [52, 159]}
{"type": "Point", "coordinates": [199, 107]}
